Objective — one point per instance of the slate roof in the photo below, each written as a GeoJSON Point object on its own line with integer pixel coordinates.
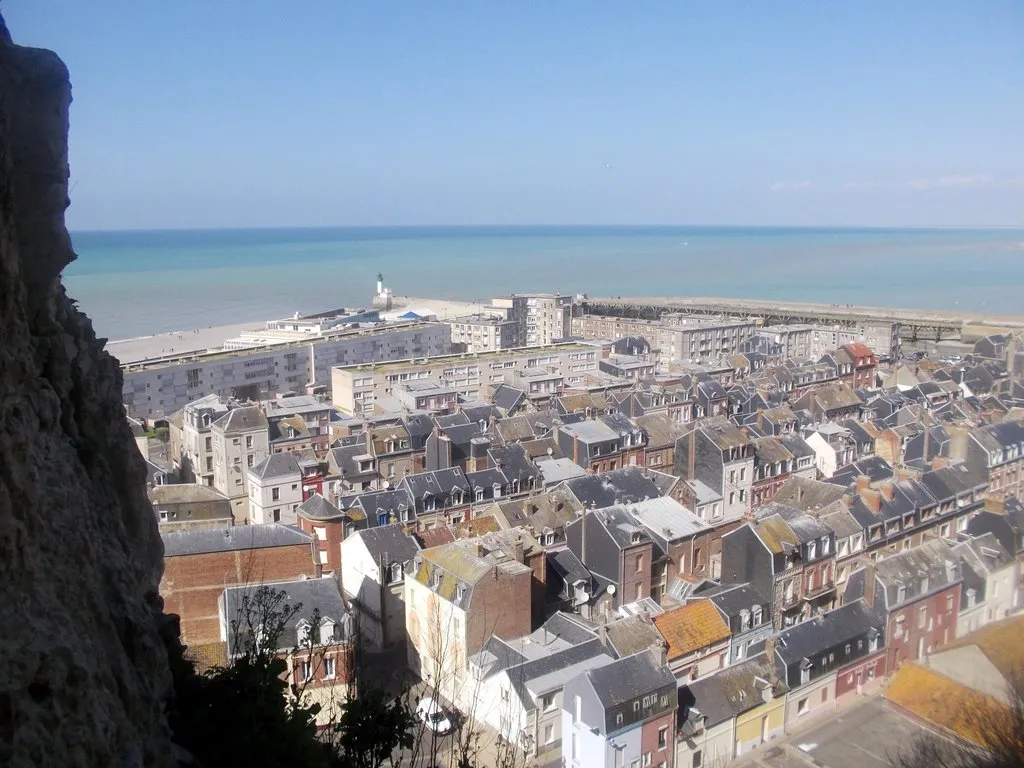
{"type": "Point", "coordinates": [388, 542]}
{"type": "Point", "coordinates": [802, 493]}
{"type": "Point", "coordinates": [508, 398]}
{"type": "Point", "coordinates": [514, 429]}
{"type": "Point", "coordinates": [567, 567]}
{"type": "Point", "coordinates": [919, 571]}
{"type": "Point", "coordinates": [555, 471]}
{"type": "Point", "coordinates": [633, 634]}
{"type": "Point", "coordinates": [724, 434]}
{"type": "Point", "coordinates": [392, 502]}
{"type": "Point", "coordinates": [243, 419]}
{"type": "Point", "coordinates": [629, 677]}
{"type": "Point", "coordinates": [691, 627]}
{"type": "Point", "coordinates": [626, 485]}
{"type": "Point", "coordinates": [276, 466]}
{"type": "Point", "coordinates": [667, 519]}
{"type": "Point", "coordinates": [808, 639]}
{"type": "Point", "coordinates": [514, 462]}
{"type": "Point", "coordinates": [316, 507]}
{"type": "Point", "coordinates": [731, 692]}
{"type": "Point", "coordinates": [874, 467]}
{"type": "Point", "coordinates": [241, 537]}
{"type": "Point", "coordinates": [731, 599]}
{"type": "Point", "coordinates": [322, 595]}
{"type": "Point", "coordinates": [439, 482]}
{"type": "Point", "coordinates": [660, 429]}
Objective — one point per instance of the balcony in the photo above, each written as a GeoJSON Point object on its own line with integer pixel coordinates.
{"type": "Point", "coordinates": [819, 591]}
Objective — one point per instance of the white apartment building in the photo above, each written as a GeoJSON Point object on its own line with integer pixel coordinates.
{"type": "Point", "coordinates": [355, 389]}
{"type": "Point", "coordinates": [240, 440]}
{"type": "Point", "coordinates": [541, 318]}
{"type": "Point", "coordinates": [275, 490]}
{"type": "Point", "coordinates": [882, 338]}
{"type": "Point", "coordinates": [194, 453]}
{"type": "Point", "coordinates": [677, 338]}
{"type": "Point", "coordinates": [157, 388]}
{"type": "Point", "coordinates": [481, 333]}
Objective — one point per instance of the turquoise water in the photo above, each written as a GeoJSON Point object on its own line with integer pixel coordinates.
{"type": "Point", "coordinates": [136, 283]}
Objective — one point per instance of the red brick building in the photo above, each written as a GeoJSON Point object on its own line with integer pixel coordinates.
{"type": "Point", "coordinates": [199, 565]}
{"type": "Point", "coordinates": [919, 591]}
{"type": "Point", "coordinates": [864, 365]}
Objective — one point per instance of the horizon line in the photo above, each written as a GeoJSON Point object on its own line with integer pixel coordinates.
{"type": "Point", "coordinates": [281, 227]}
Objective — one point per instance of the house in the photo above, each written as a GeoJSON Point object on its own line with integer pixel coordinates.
{"type": "Point", "coordinates": [833, 446]}
{"type": "Point", "coordinates": [721, 456]}
{"type": "Point", "coordinates": [697, 638]}
{"type": "Point", "coordinates": [789, 557]}
{"type": "Point", "coordinates": [456, 597]}
{"type": "Point", "coordinates": [544, 516]}
{"type": "Point", "coordinates": [919, 591]}
{"type": "Point", "coordinates": [773, 463]}
{"type": "Point", "coordinates": [620, 714]}
{"type": "Point", "coordinates": [680, 539]}
{"type": "Point", "coordinates": [187, 506]}
{"type": "Point", "coordinates": [317, 640]}
{"type": "Point", "coordinates": [275, 490]}
{"type": "Point", "coordinates": [662, 434]}
{"type": "Point", "coordinates": [811, 654]}
{"type": "Point", "coordinates": [746, 612]}
{"type": "Point", "coordinates": [999, 449]}
{"type": "Point", "coordinates": [616, 549]}
{"type": "Point", "coordinates": [518, 683]}
{"type": "Point", "coordinates": [991, 588]}
{"type": "Point", "coordinates": [192, 442]}
{"type": "Point", "coordinates": [373, 565]}
{"type": "Point", "coordinates": [729, 714]}
{"type": "Point", "coordinates": [863, 362]}
{"type": "Point", "coordinates": [200, 564]}
{"type": "Point", "coordinates": [299, 422]}
{"type": "Point", "coordinates": [328, 525]}
{"type": "Point", "coordinates": [1005, 521]}
{"type": "Point", "coordinates": [239, 441]}
{"type": "Point", "coordinates": [440, 494]}
{"type": "Point", "coordinates": [621, 486]}
{"type": "Point", "coordinates": [600, 446]}
{"type": "Point", "coordinates": [830, 402]}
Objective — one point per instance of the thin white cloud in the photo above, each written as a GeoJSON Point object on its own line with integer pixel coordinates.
{"type": "Point", "coordinates": [785, 186]}
{"type": "Point", "coordinates": [952, 181]}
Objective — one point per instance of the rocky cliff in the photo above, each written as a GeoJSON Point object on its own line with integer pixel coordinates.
{"type": "Point", "coordinates": [83, 671]}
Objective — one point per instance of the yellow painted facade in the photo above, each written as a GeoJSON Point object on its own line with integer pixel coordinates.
{"type": "Point", "coordinates": [761, 723]}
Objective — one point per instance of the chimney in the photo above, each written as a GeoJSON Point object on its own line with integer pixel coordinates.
{"type": "Point", "coordinates": [518, 551]}
{"type": "Point", "coordinates": [769, 649]}
{"type": "Point", "coordinates": [863, 484]}
{"type": "Point", "coordinates": [995, 505]}
{"type": "Point", "coordinates": [869, 584]}
{"type": "Point", "coordinates": [888, 490]}
{"type": "Point", "coordinates": [873, 499]}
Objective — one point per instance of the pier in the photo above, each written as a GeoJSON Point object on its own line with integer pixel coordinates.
{"type": "Point", "coordinates": [915, 324]}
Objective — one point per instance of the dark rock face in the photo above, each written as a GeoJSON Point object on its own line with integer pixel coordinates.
{"type": "Point", "coordinates": [84, 673]}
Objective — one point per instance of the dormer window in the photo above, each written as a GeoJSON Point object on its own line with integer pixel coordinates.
{"type": "Point", "coordinates": [303, 633]}
{"type": "Point", "coordinates": [811, 550]}
{"type": "Point", "coordinates": [395, 573]}
{"type": "Point", "coordinates": [756, 614]}
{"type": "Point", "coordinates": [327, 629]}
{"type": "Point", "coordinates": [744, 619]}
{"type": "Point", "coordinates": [901, 594]}
{"type": "Point", "coordinates": [206, 420]}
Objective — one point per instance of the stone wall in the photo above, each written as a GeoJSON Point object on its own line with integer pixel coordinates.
{"type": "Point", "coordinates": [84, 675]}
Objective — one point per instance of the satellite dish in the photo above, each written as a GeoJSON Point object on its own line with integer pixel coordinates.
{"type": "Point", "coordinates": [611, 589]}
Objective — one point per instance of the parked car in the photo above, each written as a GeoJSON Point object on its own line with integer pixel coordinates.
{"type": "Point", "coordinates": [433, 716]}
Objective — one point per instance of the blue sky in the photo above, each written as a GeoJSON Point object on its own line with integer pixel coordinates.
{"type": "Point", "coordinates": [221, 113]}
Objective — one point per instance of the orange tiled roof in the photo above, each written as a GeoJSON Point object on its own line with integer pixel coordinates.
{"type": "Point", "coordinates": [478, 526]}
{"type": "Point", "coordinates": [943, 703]}
{"type": "Point", "coordinates": [691, 627]}
{"type": "Point", "coordinates": [857, 349]}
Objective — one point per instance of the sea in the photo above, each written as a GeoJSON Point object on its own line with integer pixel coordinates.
{"type": "Point", "coordinates": [136, 283]}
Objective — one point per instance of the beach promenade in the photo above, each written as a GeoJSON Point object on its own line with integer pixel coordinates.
{"type": "Point", "coordinates": [177, 342]}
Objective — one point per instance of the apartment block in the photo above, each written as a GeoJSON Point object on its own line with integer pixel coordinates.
{"type": "Point", "coordinates": [157, 388]}
{"type": "Point", "coordinates": [356, 389]}
{"type": "Point", "coordinates": [482, 333]}
{"type": "Point", "coordinates": [676, 337]}
{"type": "Point", "coordinates": [882, 338]}
{"type": "Point", "coordinates": [541, 318]}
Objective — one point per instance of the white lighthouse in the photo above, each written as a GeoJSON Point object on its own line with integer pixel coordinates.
{"type": "Point", "coordinates": [382, 299]}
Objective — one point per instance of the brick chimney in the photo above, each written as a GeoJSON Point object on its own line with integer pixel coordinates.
{"type": "Point", "coordinates": [863, 483]}
{"type": "Point", "coordinates": [995, 505]}
{"type": "Point", "coordinates": [873, 499]}
{"type": "Point", "coordinates": [518, 551]}
{"type": "Point", "coordinates": [888, 490]}
{"type": "Point", "coordinates": [869, 584]}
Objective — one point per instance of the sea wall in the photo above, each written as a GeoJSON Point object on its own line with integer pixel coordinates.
{"type": "Point", "coordinates": [83, 670]}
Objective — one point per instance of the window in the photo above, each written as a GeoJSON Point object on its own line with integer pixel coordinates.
{"type": "Point", "coordinates": [547, 702]}
{"type": "Point", "coordinates": [236, 441]}
{"type": "Point", "coordinates": [697, 760]}
{"type": "Point", "coordinates": [275, 494]}
{"type": "Point", "coordinates": [647, 759]}
{"type": "Point", "coordinates": [209, 443]}
{"type": "Point", "coordinates": [732, 497]}
{"type": "Point", "coordinates": [949, 603]}
{"type": "Point", "coordinates": [549, 734]}
{"type": "Point", "coordinates": [639, 563]}
{"type": "Point", "coordinates": [579, 709]}
{"type": "Point", "coordinates": [248, 442]}
{"type": "Point", "coordinates": [324, 555]}
{"type": "Point", "coordinates": [306, 669]}
{"type": "Point", "coordinates": [395, 572]}
{"type": "Point", "coordinates": [811, 550]}
{"type": "Point", "coordinates": [618, 719]}
{"type": "Point", "coordinates": [249, 460]}
{"type": "Point", "coordinates": [801, 707]}
{"type": "Point", "coordinates": [922, 617]}
{"type": "Point", "coordinates": [825, 545]}
{"type": "Point", "coordinates": [663, 737]}
{"type": "Point", "coordinates": [329, 667]}
{"type": "Point", "coordinates": [575, 747]}
{"type": "Point", "coordinates": [277, 515]}
{"type": "Point", "coordinates": [743, 474]}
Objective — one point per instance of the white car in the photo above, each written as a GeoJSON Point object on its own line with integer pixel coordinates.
{"type": "Point", "coordinates": [430, 712]}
